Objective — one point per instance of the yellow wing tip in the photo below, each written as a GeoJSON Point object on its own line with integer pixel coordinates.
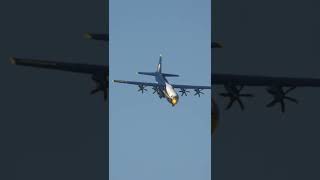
{"type": "Point", "coordinates": [87, 35]}
{"type": "Point", "coordinates": [12, 60]}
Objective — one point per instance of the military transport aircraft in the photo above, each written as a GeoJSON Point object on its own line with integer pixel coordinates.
{"type": "Point", "coordinates": [163, 88]}
{"type": "Point", "coordinates": [233, 83]}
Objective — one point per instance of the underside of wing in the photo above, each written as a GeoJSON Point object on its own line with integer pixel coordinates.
{"type": "Point", "coordinates": [72, 67]}
{"type": "Point", "coordinates": [190, 86]}
{"type": "Point", "coordinates": [141, 85]}
{"type": "Point", "coordinates": [184, 91]}
{"type": "Point", "coordinates": [136, 83]}
{"type": "Point", "coordinates": [99, 72]}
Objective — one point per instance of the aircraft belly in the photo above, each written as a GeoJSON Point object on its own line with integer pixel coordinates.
{"type": "Point", "coordinates": [166, 94]}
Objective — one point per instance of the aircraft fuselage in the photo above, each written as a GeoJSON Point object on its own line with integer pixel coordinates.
{"type": "Point", "coordinates": [167, 90]}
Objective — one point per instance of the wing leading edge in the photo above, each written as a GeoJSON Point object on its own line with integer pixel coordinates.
{"type": "Point", "coordinates": [156, 84]}
{"type": "Point", "coordinates": [72, 67]}
{"type": "Point", "coordinates": [136, 83]}
{"type": "Point", "coordinates": [190, 86]}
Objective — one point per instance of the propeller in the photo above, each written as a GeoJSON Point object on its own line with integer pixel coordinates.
{"type": "Point", "coordinates": [101, 84]}
{"type": "Point", "coordinates": [234, 94]}
{"type": "Point", "coordinates": [158, 90]}
{"type": "Point", "coordinates": [198, 92]}
{"type": "Point", "coordinates": [94, 91]}
{"type": "Point", "coordinates": [142, 88]}
{"type": "Point", "coordinates": [279, 95]}
{"type": "Point", "coordinates": [155, 89]}
{"type": "Point", "coordinates": [184, 92]}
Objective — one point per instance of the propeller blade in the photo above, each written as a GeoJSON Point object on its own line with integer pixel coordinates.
{"type": "Point", "coordinates": [291, 99]}
{"type": "Point", "coordinates": [282, 106]}
{"type": "Point", "coordinates": [272, 103]}
{"type": "Point", "coordinates": [95, 91]}
{"type": "Point", "coordinates": [290, 89]}
{"type": "Point", "coordinates": [279, 96]}
{"type": "Point", "coordinates": [241, 104]}
{"type": "Point", "coordinates": [155, 89]}
{"type": "Point", "coordinates": [233, 93]}
{"type": "Point", "coordinates": [142, 89]}
{"type": "Point", "coordinates": [230, 104]}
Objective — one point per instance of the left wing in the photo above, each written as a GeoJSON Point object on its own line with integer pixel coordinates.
{"type": "Point", "coordinates": [62, 66]}
{"type": "Point", "coordinates": [137, 83]}
{"type": "Point", "coordinates": [99, 73]}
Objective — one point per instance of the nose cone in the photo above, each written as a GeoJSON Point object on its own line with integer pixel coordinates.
{"type": "Point", "coordinates": [174, 100]}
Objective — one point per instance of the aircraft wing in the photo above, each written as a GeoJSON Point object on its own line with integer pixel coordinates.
{"type": "Point", "coordinates": [189, 86]}
{"type": "Point", "coordinates": [215, 45]}
{"type": "Point", "coordinates": [72, 67]}
{"type": "Point", "coordinates": [247, 80]}
{"type": "Point", "coordinates": [95, 36]}
{"type": "Point", "coordinates": [136, 83]}
{"type": "Point", "coordinates": [99, 72]}
{"type": "Point", "coordinates": [156, 84]}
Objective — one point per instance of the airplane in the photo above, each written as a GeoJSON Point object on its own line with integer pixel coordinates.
{"type": "Point", "coordinates": [99, 73]}
{"type": "Point", "coordinates": [163, 88]}
{"type": "Point", "coordinates": [232, 83]}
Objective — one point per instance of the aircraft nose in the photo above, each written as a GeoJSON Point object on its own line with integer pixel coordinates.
{"type": "Point", "coordinates": [174, 100]}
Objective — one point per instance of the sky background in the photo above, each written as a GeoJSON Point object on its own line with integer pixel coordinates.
{"type": "Point", "coordinates": [275, 38]}
{"type": "Point", "coordinates": [150, 139]}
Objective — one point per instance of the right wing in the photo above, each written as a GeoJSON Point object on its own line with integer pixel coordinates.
{"type": "Point", "coordinates": [190, 86]}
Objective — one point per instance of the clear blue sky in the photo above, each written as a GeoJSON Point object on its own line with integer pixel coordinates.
{"type": "Point", "coordinates": [150, 139]}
